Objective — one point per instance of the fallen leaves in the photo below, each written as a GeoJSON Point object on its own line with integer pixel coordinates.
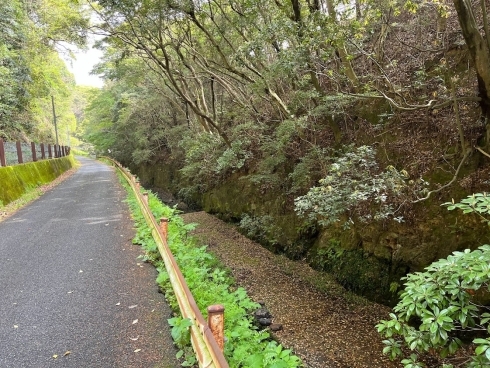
{"type": "Point", "coordinates": [68, 352]}
{"type": "Point", "coordinates": [345, 326]}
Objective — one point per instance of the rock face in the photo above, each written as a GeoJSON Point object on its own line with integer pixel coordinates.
{"type": "Point", "coordinates": [368, 259]}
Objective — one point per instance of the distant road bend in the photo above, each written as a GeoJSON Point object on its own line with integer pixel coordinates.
{"type": "Point", "coordinates": [73, 292]}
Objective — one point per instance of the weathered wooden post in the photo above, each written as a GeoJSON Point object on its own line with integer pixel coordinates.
{"type": "Point", "coordinates": [19, 152]}
{"type": "Point", "coordinates": [43, 152]}
{"type": "Point", "coordinates": [145, 197]}
{"type": "Point", "coordinates": [216, 323]}
{"type": "Point", "coordinates": [50, 152]}
{"type": "Point", "coordinates": [3, 161]}
{"type": "Point", "coordinates": [33, 150]}
{"type": "Point", "coordinates": [63, 151]}
{"type": "Point", "coordinates": [164, 227]}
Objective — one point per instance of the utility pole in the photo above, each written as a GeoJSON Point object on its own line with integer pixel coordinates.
{"type": "Point", "coordinates": [54, 120]}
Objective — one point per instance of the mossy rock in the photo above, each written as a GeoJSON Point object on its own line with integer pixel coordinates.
{"type": "Point", "coordinates": [359, 271]}
{"type": "Point", "coordinates": [373, 257]}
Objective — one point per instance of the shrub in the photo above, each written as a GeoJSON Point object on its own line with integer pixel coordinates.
{"type": "Point", "coordinates": [354, 187]}
{"type": "Point", "coordinates": [444, 303]}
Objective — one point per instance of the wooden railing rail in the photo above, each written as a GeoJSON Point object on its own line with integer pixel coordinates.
{"type": "Point", "coordinates": [208, 350]}
{"type": "Point", "coordinates": [13, 153]}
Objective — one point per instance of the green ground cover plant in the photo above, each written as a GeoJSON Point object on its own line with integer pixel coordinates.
{"type": "Point", "coordinates": [446, 308]}
{"type": "Point", "coordinates": [210, 283]}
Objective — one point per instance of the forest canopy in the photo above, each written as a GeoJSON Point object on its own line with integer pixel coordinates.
{"type": "Point", "coordinates": [34, 35]}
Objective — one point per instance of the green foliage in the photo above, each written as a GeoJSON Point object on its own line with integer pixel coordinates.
{"type": "Point", "coordinates": [478, 203]}
{"type": "Point", "coordinates": [31, 70]}
{"type": "Point", "coordinates": [451, 296]}
{"type": "Point", "coordinates": [13, 65]}
{"type": "Point", "coordinates": [233, 158]}
{"type": "Point", "coordinates": [245, 347]}
{"type": "Point", "coordinates": [311, 166]}
{"type": "Point", "coordinates": [352, 183]}
{"type": "Point", "coordinates": [260, 228]}
{"type": "Point", "coordinates": [182, 337]}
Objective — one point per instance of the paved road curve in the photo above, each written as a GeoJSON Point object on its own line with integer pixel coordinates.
{"type": "Point", "coordinates": [71, 284]}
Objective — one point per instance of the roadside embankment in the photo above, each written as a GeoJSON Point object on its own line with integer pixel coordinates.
{"type": "Point", "coordinates": [17, 180]}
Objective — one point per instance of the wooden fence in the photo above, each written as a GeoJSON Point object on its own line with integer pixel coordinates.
{"type": "Point", "coordinates": [207, 337]}
{"type": "Point", "coordinates": [13, 153]}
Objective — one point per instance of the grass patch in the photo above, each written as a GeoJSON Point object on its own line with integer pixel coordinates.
{"type": "Point", "coordinates": [210, 283]}
{"type": "Point", "coordinates": [26, 198]}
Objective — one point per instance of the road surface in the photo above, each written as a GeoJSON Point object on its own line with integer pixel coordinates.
{"type": "Point", "coordinates": [72, 291]}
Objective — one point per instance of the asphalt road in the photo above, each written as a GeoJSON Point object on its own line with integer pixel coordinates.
{"type": "Point", "coordinates": [72, 291]}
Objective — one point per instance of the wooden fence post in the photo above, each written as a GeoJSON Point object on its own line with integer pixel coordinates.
{"type": "Point", "coordinates": [164, 227]}
{"type": "Point", "coordinates": [3, 162]}
{"type": "Point", "coordinates": [33, 150]}
{"type": "Point", "coordinates": [43, 153]}
{"type": "Point", "coordinates": [19, 152]}
{"type": "Point", "coordinates": [216, 323]}
{"type": "Point", "coordinates": [50, 153]}
{"type": "Point", "coordinates": [63, 151]}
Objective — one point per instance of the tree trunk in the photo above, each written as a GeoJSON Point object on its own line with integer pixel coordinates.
{"type": "Point", "coordinates": [341, 50]}
{"type": "Point", "coordinates": [479, 52]}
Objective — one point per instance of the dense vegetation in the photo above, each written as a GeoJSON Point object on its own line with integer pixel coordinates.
{"type": "Point", "coordinates": [446, 306]}
{"type": "Point", "coordinates": [33, 35]}
{"type": "Point", "coordinates": [329, 130]}
{"type": "Point", "coordinates": [210, 283]}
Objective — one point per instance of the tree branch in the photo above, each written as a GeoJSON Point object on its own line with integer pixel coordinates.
{"type": "Point", "coordinates": [468, 151]}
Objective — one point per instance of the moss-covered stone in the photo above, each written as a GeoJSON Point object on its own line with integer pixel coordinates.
{"type": "Point", "coordinates": [17, 180]}
{"type": "Point", "coordinates": [368, 258]}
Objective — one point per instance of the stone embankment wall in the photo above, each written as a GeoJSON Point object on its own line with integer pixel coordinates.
{"type": "Point", "coordinates": [17, 180]}
{"type": "Point", "coordinates": [369, 259]}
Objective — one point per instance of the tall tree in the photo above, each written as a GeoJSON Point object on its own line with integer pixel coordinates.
{"type": "Point", "coordinates": [479, 48]}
